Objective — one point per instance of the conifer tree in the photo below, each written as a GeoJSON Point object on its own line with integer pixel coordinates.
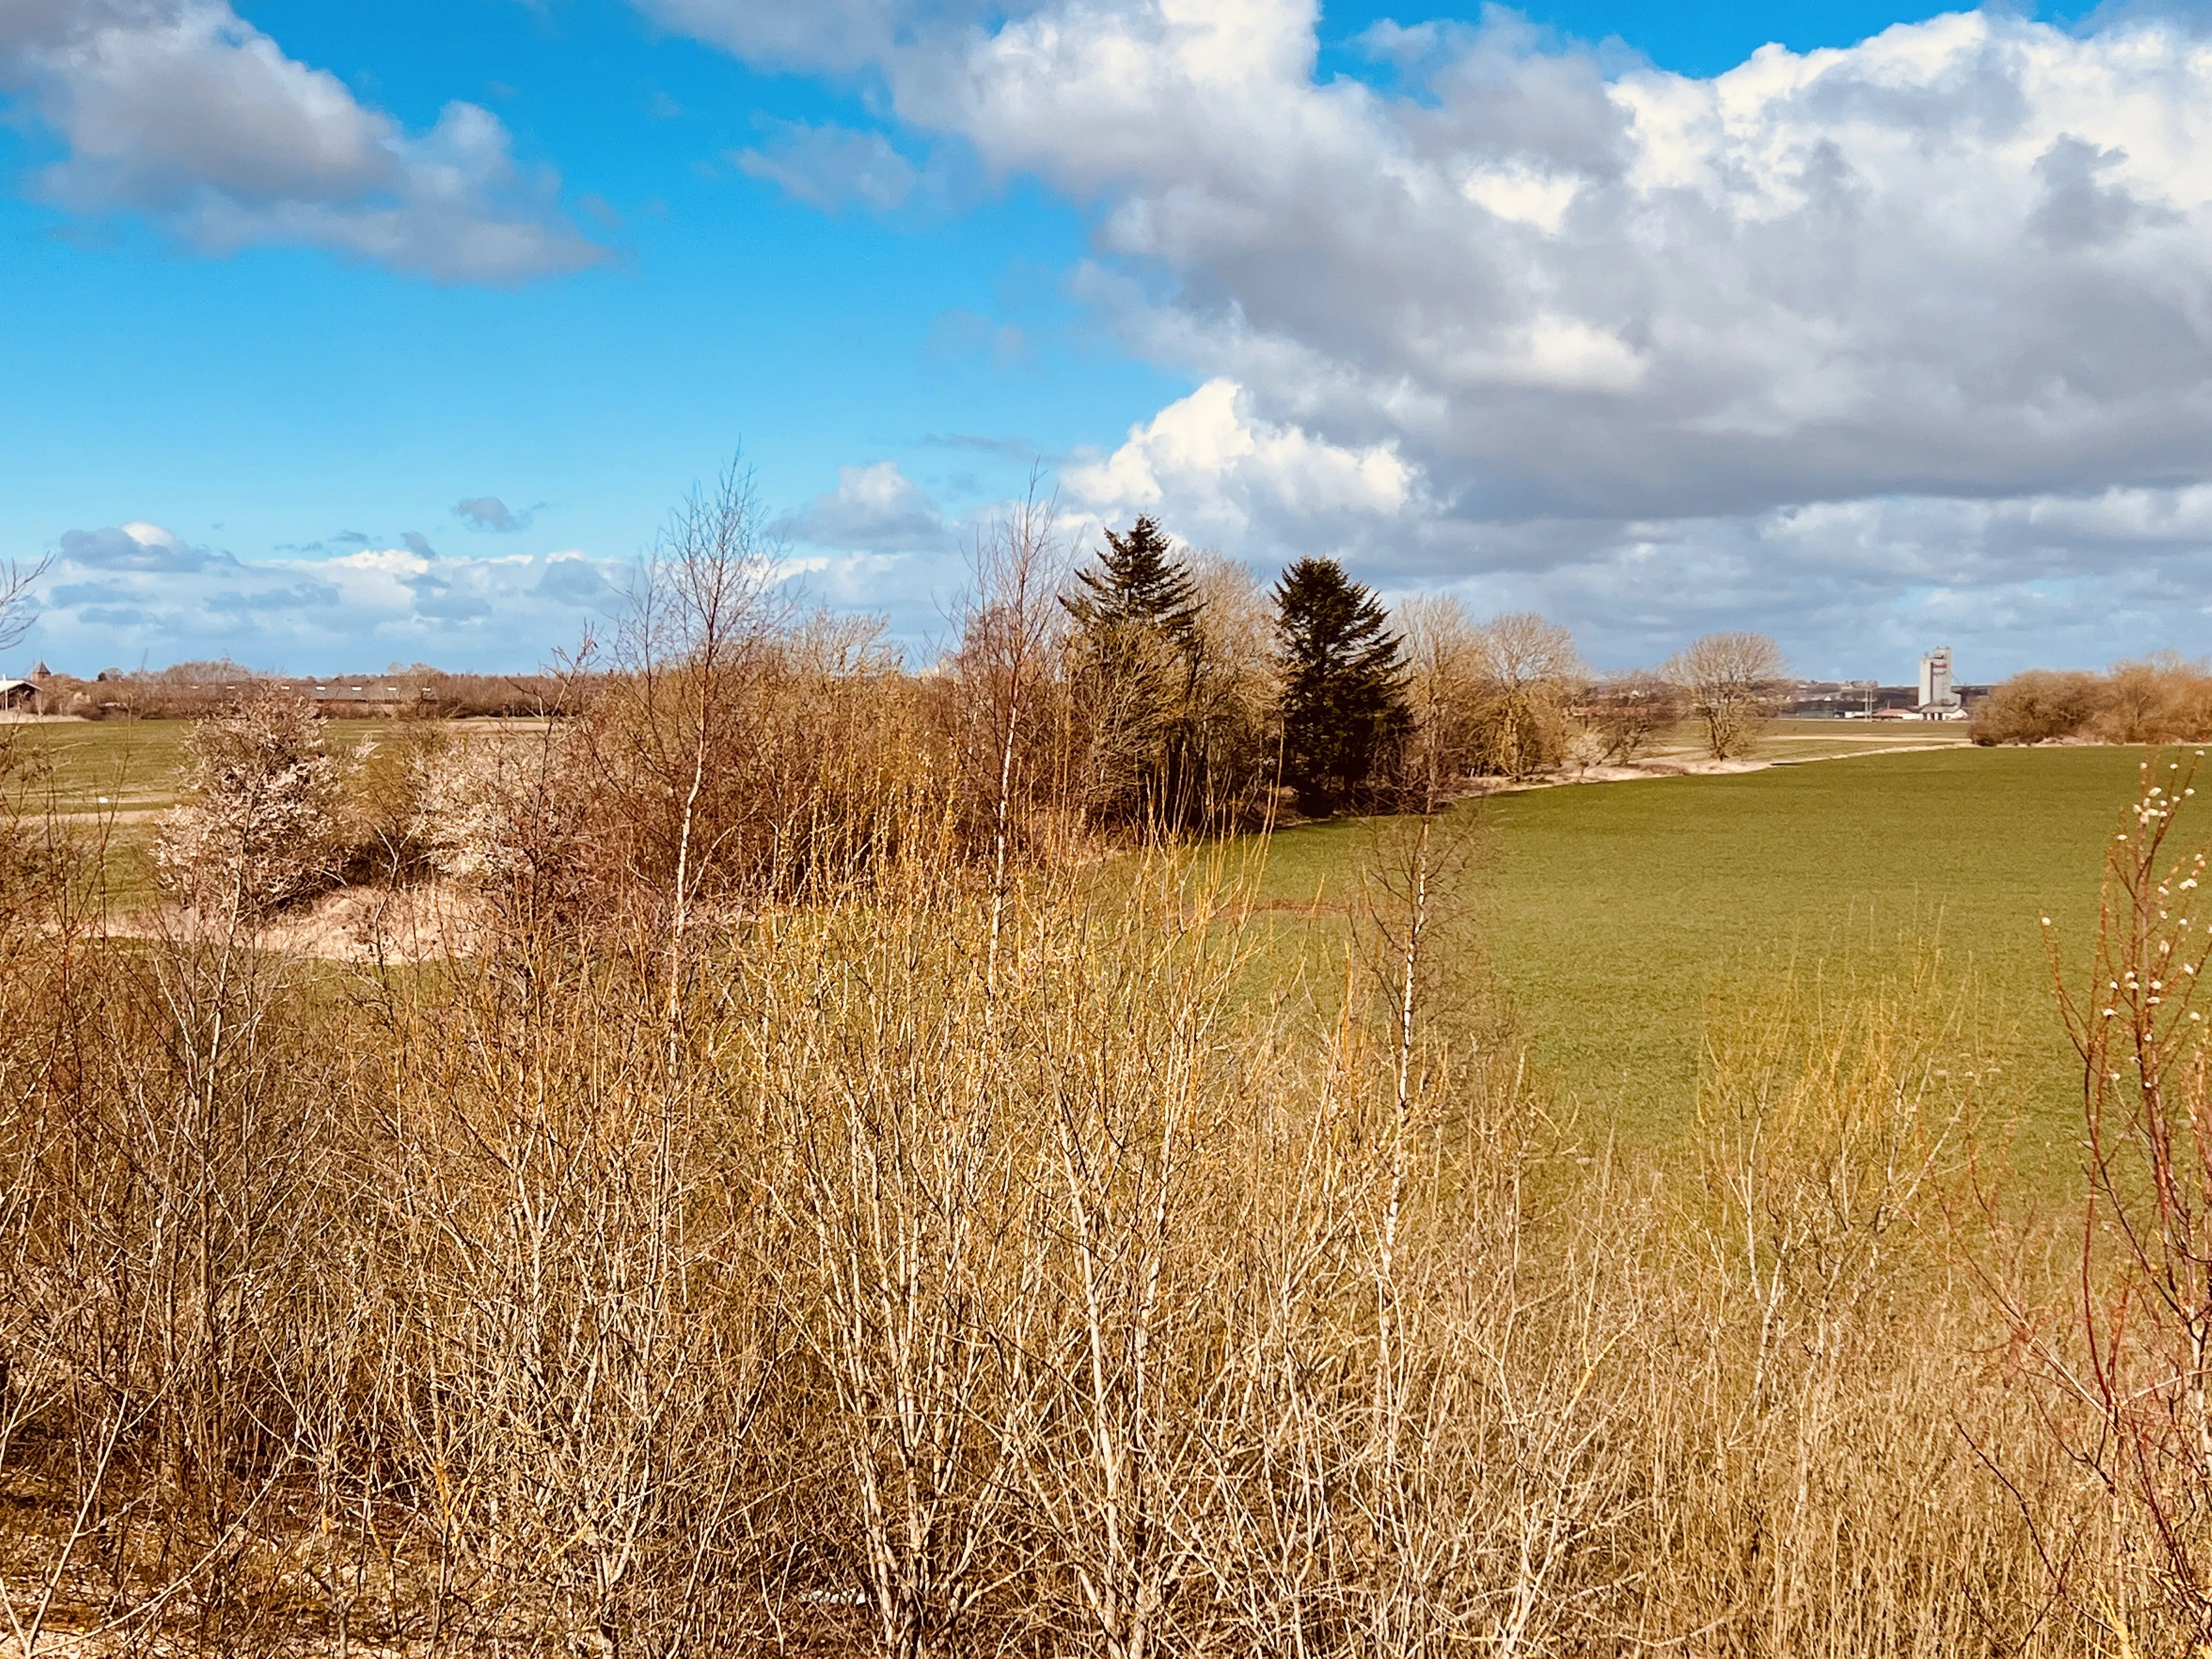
{"type": "Point", "coordinates": [1139, 581]}
{"type": "Point", "coordinates": [1343, 707]}
{"type": "Point", "coordinates": [1135, 647]}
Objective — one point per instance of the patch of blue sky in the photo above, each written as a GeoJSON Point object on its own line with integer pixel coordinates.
{"type": "Point", "coordinates": [262, 399]}
{"type": "Point", "coordinates": [1697, 39]}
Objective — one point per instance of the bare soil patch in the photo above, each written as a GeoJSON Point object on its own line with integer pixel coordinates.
{"type": "Point", "coordinates": [399, 925]}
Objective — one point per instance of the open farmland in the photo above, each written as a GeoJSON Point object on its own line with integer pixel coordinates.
{"type": "Point", "coordinates": [1819, 739]}
{"type": "Point", "coordinates": [121, 766]}
{"type": "Point", "coordinates": [128, 768]}
{"type": "Point", "coordinates": [119, 775]}
{"type": "Point", "coordinates": [1619, 914]}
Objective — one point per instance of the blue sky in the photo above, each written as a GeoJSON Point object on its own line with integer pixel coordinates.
{"type": "Point", "coordinates": [1574, 309]}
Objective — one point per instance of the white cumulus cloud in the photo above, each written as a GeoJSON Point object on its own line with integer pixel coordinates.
{"type": "Point", "coordinates": [183, 110]}
{"type": "Point", "coordinates": [114, 595]}
{"type": "Point", "coordinates": [1233, 479]}
{"type": "Point", "coordinates": [875, 508]}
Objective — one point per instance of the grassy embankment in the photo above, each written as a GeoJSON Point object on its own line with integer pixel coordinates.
{"type": "Point", "coordinates": [1620, 915]}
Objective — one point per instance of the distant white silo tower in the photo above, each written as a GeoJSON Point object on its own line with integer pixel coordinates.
{"type": "Point", "coordinates": [1935, 679]}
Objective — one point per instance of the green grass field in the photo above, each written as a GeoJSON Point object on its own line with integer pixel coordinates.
{"type": "Point", "coordinates": [122, 772]}
{"type": "Point", "coordinates": [129, 767]}
{"type": "Point", "coordinates": [1619, 914]}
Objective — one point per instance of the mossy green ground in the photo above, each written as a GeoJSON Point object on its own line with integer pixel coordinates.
{"type": "Point", "coordinates": [1622, 917]}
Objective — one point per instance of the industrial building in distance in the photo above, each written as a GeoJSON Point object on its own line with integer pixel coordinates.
{"type": "Point", "coordinates": [1936, 697]}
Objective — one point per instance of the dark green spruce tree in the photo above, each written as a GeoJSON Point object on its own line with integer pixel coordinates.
{"type": "Point", "coordinates": [1135, 652]}
{"type": "Point", "coordinates": [1343, 704]}
{"type": "Point", "coordinates": [1139, 581]}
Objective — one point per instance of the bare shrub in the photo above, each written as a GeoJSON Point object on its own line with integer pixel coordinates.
{"type": "Point", "coordinates": [1533, 673]}
{"type": "Point", "coordinates": [925, 1298]}
{"type": "Point", "coordinates": [489, 809]}
{"type": "Point", "coordinates": [2159, 699]}
{"type": "Point", "coordinates": [163, 1249]}
{"type": "Point", "coordinates": [256, 826]}
{"type": "Point", "coordinates": [1233, 693]}
{"type": "Point", "coordinates": [1447, 693]}
{"type": "Point", "coordinates": [1627, 715]}
{"type": "Point", "coordinates": [952, 1251]}
{"type": "Point", "coordinates": [2037, 706]}
{"type": "Point", "coordinates": [2126, 1365]}
{"type": "Point", "coordinates": [737, 749]}
{"type": "Point", "coordinates": [1490, 697]}
{"type": "Point", "coordinates": [1828, 1385]}
{"type": "Point", "coordinates": [583, 1336]}
{"type": "Point", "coordinates": [2162, 698]}
{"type": "Point", "coordinates": [1014, 734]}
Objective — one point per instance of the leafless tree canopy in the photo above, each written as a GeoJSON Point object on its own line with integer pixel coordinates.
{"type": "Point", "coordinates": [2164, 698]}
{"type": "Point", "coordinates": [1490, 698]}
{"type": "Point", "coordinates": [1630, 712]}
{"type": "Point", "coordinates": [18, 608]}
{"type": "Point", "coordinates": [1732, 683]}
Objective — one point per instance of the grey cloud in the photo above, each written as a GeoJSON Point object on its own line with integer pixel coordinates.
{"type": "Point", "coordinates": [353, 538]}
{"type": "Point", "coordinates": [419, 545]}
{"type": "Point", "coordinates": [77, 594]}
{"type": "Point", "coordinates": [1849, 588]}
{"type": "Point", "coordinates": [115, 616]}
{"type": "Point", "coordinates": [441, 602]}
{"type": "Point", "coordinates": [1561, 291]}
{"type": "Point", "coordinates": [575, 582]}
{"type": "Point", "coordinates": [294, 596]}
{"type": "Point", "coordinates": [1013, 449]}
{"type": "Point", "coordinates": [1909, 335]}
{"type": "Point", "coordinates": [491, 613]}
{"type": "Point", "coordinates": [151, 549]}
{"type": "Point", "coordinates": [489, 512]}
{"type": "Point", "coordinates": [823, 35]}
{"type": "Point", "coordinates": [874, 508]}
{"type": "Point", "coordinates": [181, 110]}
{"type": "Point", "coordinates": [2079, 209]}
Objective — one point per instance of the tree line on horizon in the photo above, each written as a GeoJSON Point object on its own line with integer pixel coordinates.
{"type": "Point", "coordinates": [1157, 690]}
{"type": "Point", "coordinates": [192, 689]}
{"type": "Point", "coordinates": [2161, 698]}
{"type": "Point", "coordinates": [723, 743]}
{"type": "Point", "coordinates": [1361, 704]}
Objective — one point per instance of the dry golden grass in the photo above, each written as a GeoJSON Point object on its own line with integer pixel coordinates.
{"type": "Point", "coordinates": [962, 1264]}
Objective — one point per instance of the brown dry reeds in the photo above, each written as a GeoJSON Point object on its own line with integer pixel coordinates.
{"type": "Point", "coordinates": [951, 1256]}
